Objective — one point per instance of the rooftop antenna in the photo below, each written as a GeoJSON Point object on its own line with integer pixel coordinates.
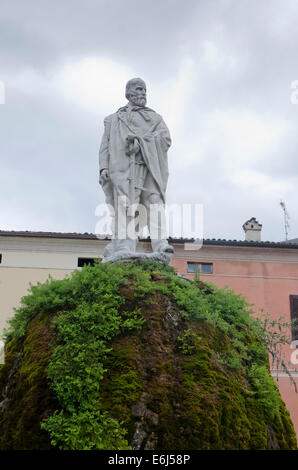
{"type": "Point", "coordinates": [286, 218]}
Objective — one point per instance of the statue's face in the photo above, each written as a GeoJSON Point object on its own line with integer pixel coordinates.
{"type": "Point", "coordinates": [137, 94]}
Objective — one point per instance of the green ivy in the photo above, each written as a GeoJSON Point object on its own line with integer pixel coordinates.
{"type": "Point", "coordinates": [266, 391]}
{"type": "Point", "coordinates": [187, 342]}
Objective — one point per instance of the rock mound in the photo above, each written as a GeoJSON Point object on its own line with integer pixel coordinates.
{"type": "Point", "coordinates": [129, 355]}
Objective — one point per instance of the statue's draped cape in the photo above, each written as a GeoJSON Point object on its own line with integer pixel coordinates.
{"type": "Point", "coordinates": [154, 139]}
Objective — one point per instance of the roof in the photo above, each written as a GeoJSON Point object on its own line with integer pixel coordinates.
{"type": "Point", "coordinates": [73, 235]}
{"type": "Point", "coordinates": [259, 244]}
{"type": "Point", "coordinates": [293, 244]}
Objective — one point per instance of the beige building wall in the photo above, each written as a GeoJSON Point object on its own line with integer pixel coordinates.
{"type": "Point", "coordinates": [14, 284]}
{"type": "Point", "coordinates": [27, 260]}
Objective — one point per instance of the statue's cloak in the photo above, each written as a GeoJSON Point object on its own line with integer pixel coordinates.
{"type": "Point", "coordinates": [154, 139]}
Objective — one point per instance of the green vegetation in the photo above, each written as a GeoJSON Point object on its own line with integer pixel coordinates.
{"type": "Point", "coordinates": [133, 345]}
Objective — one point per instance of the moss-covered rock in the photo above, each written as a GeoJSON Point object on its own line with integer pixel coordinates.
{"type": "Point", "coordinates": [131, 356]}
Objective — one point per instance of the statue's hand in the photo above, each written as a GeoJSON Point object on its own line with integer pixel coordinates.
{"type": "Point", "coordinates": [130, 138]}
{"type": "Point", "coordinates": [135, 148]}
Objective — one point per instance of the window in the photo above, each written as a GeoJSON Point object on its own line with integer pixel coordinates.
{"type": "Point", "coordinates": [294, 316]}
{"type": "Point", "coordinates": [206, 268]}
{"type": "Point", "coordinates": [83, 261]}
{"type": "Point", "coordinates": [192, 267]}
{"type": "Point", "coordinates": [203, 268]}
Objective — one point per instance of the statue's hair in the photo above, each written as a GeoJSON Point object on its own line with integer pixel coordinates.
{"type": "Point", "coordinates": [130, 83]}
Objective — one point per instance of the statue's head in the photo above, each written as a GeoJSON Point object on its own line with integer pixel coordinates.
{"type": "Point", "coordinates": [135, 92]}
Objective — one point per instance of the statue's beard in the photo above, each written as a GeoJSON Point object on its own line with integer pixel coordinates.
{"type": "Point", "coordinates": [138, 100]}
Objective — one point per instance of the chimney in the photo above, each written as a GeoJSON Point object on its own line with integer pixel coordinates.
{"type": "Point", "coordinates": [252, 230]}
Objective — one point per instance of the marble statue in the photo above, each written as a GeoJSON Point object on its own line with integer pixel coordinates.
{"type": "Point", "coordinates": [134, 173]}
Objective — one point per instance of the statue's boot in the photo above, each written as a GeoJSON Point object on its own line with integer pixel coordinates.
{"type": "Point", "coordinates": [119, 246]}
{"type": "Point", "coordinates": [161, 246]}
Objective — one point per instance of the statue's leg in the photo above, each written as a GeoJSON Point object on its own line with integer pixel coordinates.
{"type": "Point", "coordinates": [122, 243]}
{"type": "Point", "coordinates": [141, 215]}
{"type": "Point", "coordinates": [156, 217]}
{"type": "Point", "coordinates": [110, 201]}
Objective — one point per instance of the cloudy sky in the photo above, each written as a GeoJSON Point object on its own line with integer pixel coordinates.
{"type": "Point", "coordinates": [219, 71]}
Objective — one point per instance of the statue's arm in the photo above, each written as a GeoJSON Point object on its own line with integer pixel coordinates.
{"type": "Point", "coordinates": [104, 155]}
{"type": "Point", "coordinates": [161, 132]}
{"type": "Point", "coordinates": [164, 133]}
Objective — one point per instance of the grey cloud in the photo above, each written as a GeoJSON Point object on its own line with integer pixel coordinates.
{"type": "Point", "coordinates": [49, 147]}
